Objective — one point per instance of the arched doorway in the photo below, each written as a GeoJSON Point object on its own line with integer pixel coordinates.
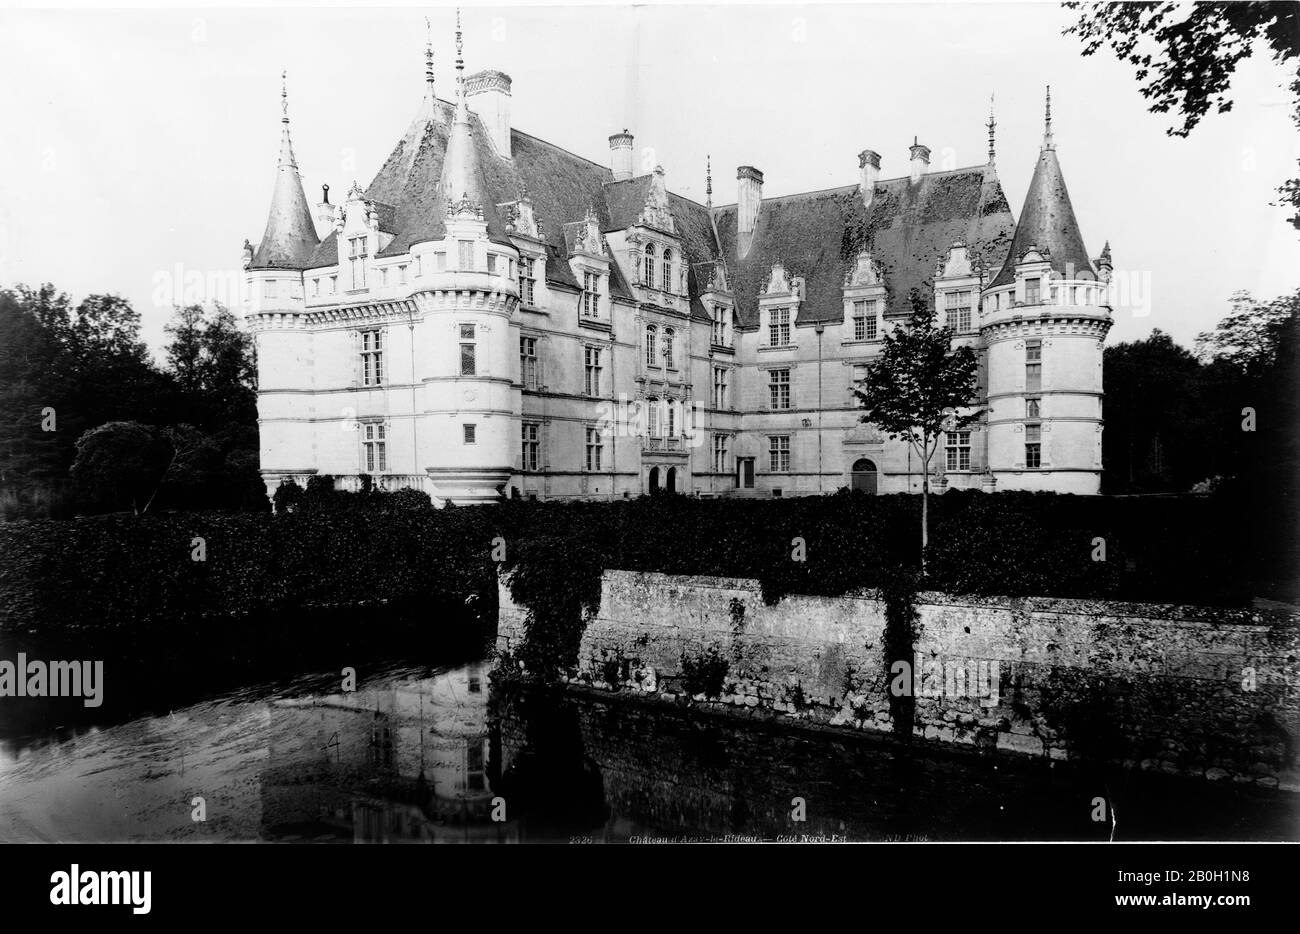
{"type": "Point", "coordinates": [864, 476]}
{"type": "Point", "coordinates": [654, 480]}
{"type": "Point", "coordinates": [671, 484]}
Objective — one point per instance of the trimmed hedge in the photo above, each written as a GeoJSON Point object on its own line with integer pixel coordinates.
{"type": "Point", "coordinates": [127, 573]}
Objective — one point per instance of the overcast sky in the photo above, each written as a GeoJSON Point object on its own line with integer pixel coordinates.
{"type": "Point", "coordinates": [140, 140]}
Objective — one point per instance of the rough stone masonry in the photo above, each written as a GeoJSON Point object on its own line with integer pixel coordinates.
{"type": "Point", "coordinates": [1203, 691]}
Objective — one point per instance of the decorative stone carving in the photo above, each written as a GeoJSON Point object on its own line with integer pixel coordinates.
{"type": "Point", "coordinates": [777, 282]}
{"type": "Point", "coordinates": [464, 206]}
{"type": "Point", "coordinates": [655, 213]}
{"type": "Point", "coordinates": [957, 263]}
{"type": "Point", "coordinates": [864, 271]}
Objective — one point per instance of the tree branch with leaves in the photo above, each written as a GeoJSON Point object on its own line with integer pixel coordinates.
{"type": "Point", "coordinates": [919, 387]}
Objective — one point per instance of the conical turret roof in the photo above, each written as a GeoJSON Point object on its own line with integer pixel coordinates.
{"type": "Point", "coordinates": [1047, 221]}
{"type": "Point", "coordinates": [290, 236]}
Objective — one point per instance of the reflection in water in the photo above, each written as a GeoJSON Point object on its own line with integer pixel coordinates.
{"type": "Point", "coordinates": [421, 756]}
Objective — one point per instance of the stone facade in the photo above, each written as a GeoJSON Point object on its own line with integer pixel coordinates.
{"type": "Point", "coordinates": [495, 316]}
{"type": "Point", "coordinates": [1189, 690]}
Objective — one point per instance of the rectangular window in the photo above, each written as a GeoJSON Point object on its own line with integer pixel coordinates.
{"type": "Point", "coordinates": [526, 280]}
{"type": "Point", "coordinates": [721, 315]}
{"type": "Point", "coordinates": [1033, 446]}
{"type": "Point", "coordinates": [357, 261]}
{"type": "Point", "coordinates": [1032, 291]}
{"type": "Point", "coordinates": [439, 263]}
{"type": "Point", "coordinates": [590, 294]}
{"type": "Point", "coordinates": [401, 274]}
{"type": "Point", "coordinates": [779, 388]}
{"type": "Point", "coordinates": [315, 288]}
{"type": "Point", "coordinates": [383, 276]}
{"type": "Point", "coordinates": [1033, 408]}
{"type": "Point", "coordinates": [532, 445]}
{"type": "Point", "coordinates": [468, 351]}
{"type": "Point", "coordinates": [1033, 365]}
{"type": "Point", "coordinates": [334, 284]}
{"type": "Point", "coordinates": [528, 362]}
{"type": "Point", "coordinates": [864, 321]}
{"type": "Point", "coordinates": [595, 447]}
{"type": "Point", "coordinates": [372, 358]}
{"type": "Point", "coordinates": [957, 450]}
{"type": "Point", "coordinates": [492, 263]}
{"type": "Point", "coordinates": [465, 254]}
{"type": "Point", "coordinates": [719, 387]}
{"type": "Point", "coordinates": [959, 304]}
{"type": "Point", "coordinates": [778, 453]}
{"type": "Point", "coordinates": [591, 371]}
{"type": "Point", "coordinates": [719, 453]}
{"type": "Point", "coordinates": [374, 447]}
{"type": "Point", "coordinates": [778, 327]}
{"type": "Point", "coordinates": [470, 433]}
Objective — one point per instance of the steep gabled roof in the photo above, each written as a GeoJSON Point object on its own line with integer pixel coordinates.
{"type": "Point", "coordinates": [1047, 222]}
{"type": "Point", "coordinates": [562, 187]}
{"type": "Point", "coordinates": [817, 235]}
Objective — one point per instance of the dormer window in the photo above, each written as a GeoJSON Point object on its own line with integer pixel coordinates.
{"type": "Point", "coordinates": [465, 254]}
{"type": "Point", "coordinates": [650, 265]}
{"type": "Point", "coordinates": [958, 310]}
{"type": "Point", "coordinates": [721, 331]}
{"type": "Point", "coordinates": [526, 281]}
{"type": "Point", "coordinates": [865, 327]}
{"type": "Point", "coordinates": [778, 327]}
{"type": "Point", "coordinates": [1033, 291]}
{"type": "Point", "coordinates": [590, 294]}
{"type": "Point", "coordinates": [357, 261]}
{"type": "Point", "coordinates": [668, 271]}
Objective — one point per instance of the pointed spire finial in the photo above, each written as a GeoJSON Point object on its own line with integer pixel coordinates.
{"type": "Point", "coordinates": [428, 55]}
{"type": "Point", "coordinates": [460, 45]}
{"type": "Point", "coordinates": [1047, 125]}
{"type": "Point", "coordinates": [708, 179]}
{"type": "Point", "coordinates": [992, 125]}
{"type": "Point", "coordinates": [462, 106]}
{"type": "Point", "coordinates": [284, 96]}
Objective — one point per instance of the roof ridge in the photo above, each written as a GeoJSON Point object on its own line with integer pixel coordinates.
{"type": "Point", "coordinates": [559, 148]}
{"type": "Point", "coordinates": [882, 181]}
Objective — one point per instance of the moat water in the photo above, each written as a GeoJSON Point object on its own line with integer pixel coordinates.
{"type": "Point", "coordinates": [435, 754]}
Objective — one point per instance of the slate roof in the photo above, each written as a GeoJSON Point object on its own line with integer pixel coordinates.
{"type": "Point", "coordinates": [1047, 222]}
{"type": "Point", "coordinates": [290, 236]}
{"type": "Point", "coordinates": [561, 185]}
{"type": "Point", "coordinates": [817, 235]}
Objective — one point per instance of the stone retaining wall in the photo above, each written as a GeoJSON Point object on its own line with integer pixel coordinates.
{"type": "Point", "coordinates": [1205, 691]}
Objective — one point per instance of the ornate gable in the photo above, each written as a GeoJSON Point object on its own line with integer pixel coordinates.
{"type": "Point", "coordinates": [864, 271]}
{"type": "Point", "coordinates": [655, 213]}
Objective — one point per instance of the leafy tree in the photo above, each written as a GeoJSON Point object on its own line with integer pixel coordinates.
{"type": "Point", "coordinates": [1186, 53]}
{"type": "Point", "coordinates": [1249, 337]}
{"type": "Point", "coordinates": [1165, 418]}
{"type": "Point", "coordinates": [212, 360]}
{"type": "Point", "coordinates": [918, 387]}
{"type": "Point", "coordinates": [185, 348]}
{"type": "Point", "coordinates": [121, 463]}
